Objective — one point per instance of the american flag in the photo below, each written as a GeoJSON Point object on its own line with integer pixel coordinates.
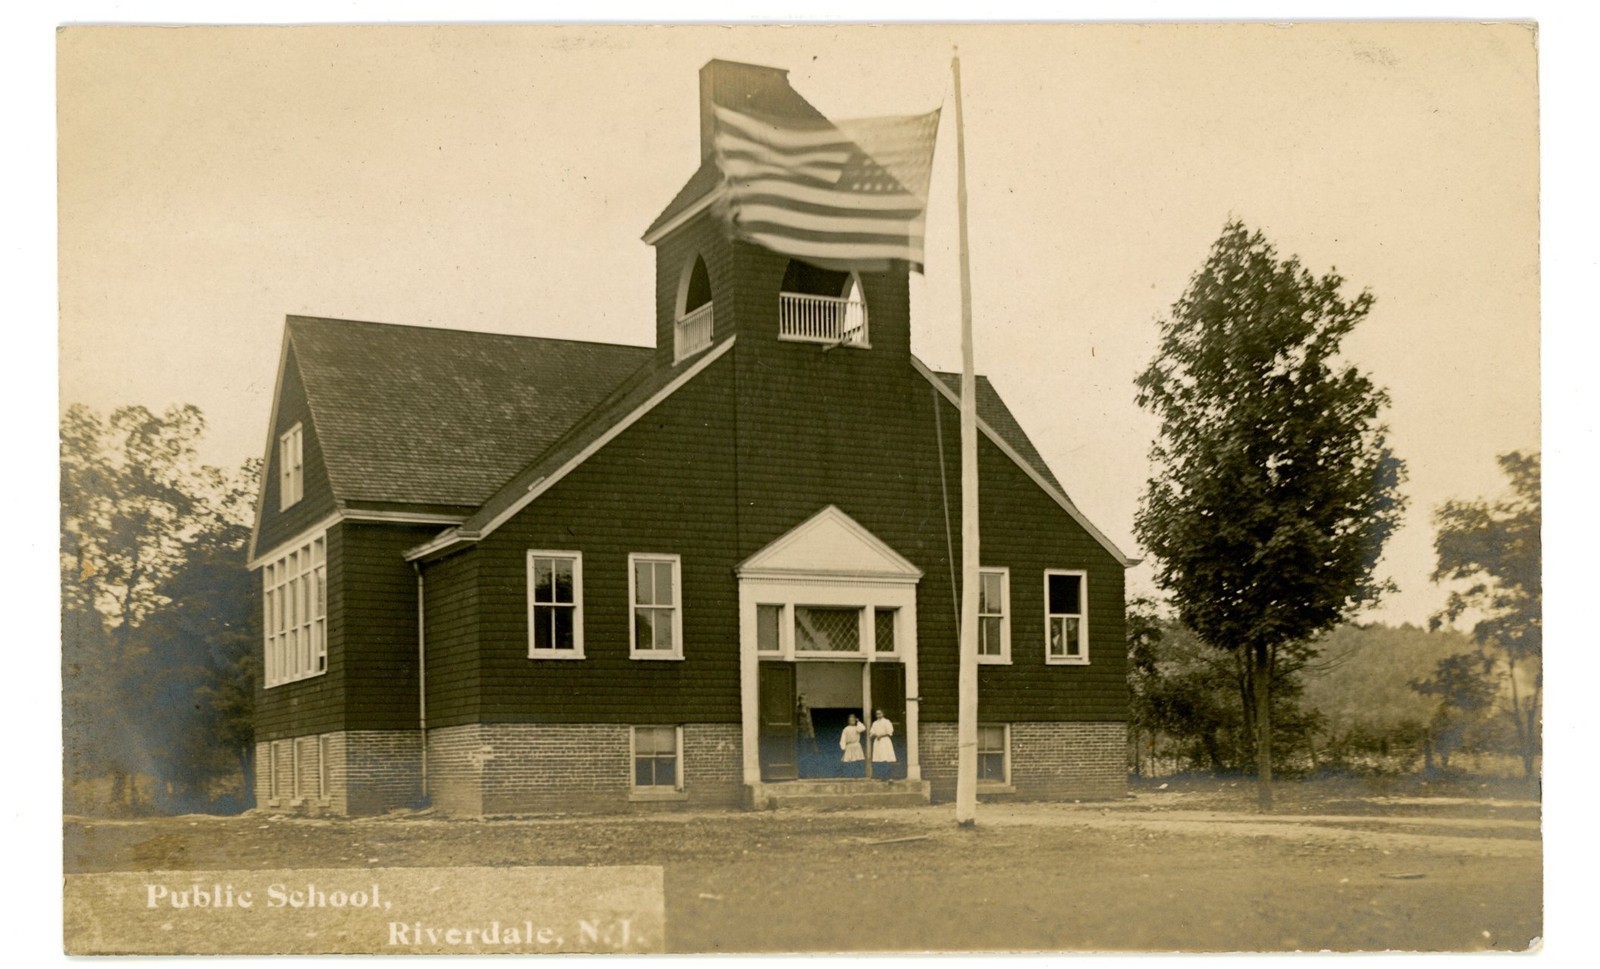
{"type": "Point", "coordinates": [841, 195]}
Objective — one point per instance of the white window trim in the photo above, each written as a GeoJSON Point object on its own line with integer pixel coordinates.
{"type": "Point", "coordinates": [1006, 785]}
{"type": "Point", "coordinates": [868, 596]}
{"type": "Point", "coordinates": [278, 656]}
{"type": "Point", "coordinates": [634, 652]}
{"type": "Point", "coordinates": [272, 771]}
{"type": "Point", "coordinates": [654, 792]}
{"type": "Point", "coordinates": [1082, 659]}
{"type": "Point", "coordinates": [871, 647]}
{"type": "Point", "coordinates": [576, 652]}
{"type": "Point", "coordinates": [295, 796]}
{"type": "Point", "coordinates": [785, 631]}
{"type": "Point", "coordinates": [291, 474]}
{"type": "Point", "coordinates": [1004, 659]}
{"type": "Point", "coordinates": [324, 785]}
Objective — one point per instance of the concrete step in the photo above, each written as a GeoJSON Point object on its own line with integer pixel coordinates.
{"type": "Point", "coordinates": [838, 793]}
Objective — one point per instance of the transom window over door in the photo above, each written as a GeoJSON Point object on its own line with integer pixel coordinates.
{"type": "Point", "coordinates": [1065, 618]}
{"type": "Point", "coordinates": [657, 626]}
{"type": "Point", "coordinates": [827, 630]}
{"type": "Point", "coordinates": [555, 605]}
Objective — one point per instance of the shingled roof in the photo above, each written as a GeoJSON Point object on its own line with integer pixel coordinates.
{"type": "Point", "coordinates": [417, 415]}
{"type": "Point", "coordinates": [992, 410]}
{"type": "Point", "coordinates": [478, 421]}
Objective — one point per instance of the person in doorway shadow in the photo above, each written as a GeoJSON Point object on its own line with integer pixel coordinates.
{"type": "Point", "coordinates": [808, 727]}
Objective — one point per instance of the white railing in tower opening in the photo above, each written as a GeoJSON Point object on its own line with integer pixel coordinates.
{"type": "Point", "coordinates": [693, 332]}
{"type": "Point", "coordinates": [824, 319]}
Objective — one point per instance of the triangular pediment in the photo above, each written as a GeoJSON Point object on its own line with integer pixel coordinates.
{"type": "Point", "coordinates": [829, 543]}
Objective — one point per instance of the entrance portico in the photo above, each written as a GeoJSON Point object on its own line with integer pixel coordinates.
{"type": "Point", "coordinates": [827, 612]}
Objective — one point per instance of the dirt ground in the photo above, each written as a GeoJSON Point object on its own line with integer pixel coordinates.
{"type": "Point", "coordinates": [1349, 866]}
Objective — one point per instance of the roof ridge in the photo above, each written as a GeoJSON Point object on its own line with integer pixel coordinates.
{"type": "Point", "coordinates": [300, 317]}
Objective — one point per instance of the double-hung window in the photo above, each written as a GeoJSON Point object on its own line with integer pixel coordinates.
{"type": "Point", "coordinates": [994, 616]}
{"type": "Point", "coordinates": [994, 753]}
{"type": "Point", "coordinates": [555, 605]}
{"type": "Point", "coordinates": [1066, 622]}
{"type": "Point", "coordinates": [291, 467]}
{"type": "Point", "coordinates": [295, 613]}
{"type": "Point", "coordinates": [657, 754]}
{"type": "Point", "coordinates": [656, 627]}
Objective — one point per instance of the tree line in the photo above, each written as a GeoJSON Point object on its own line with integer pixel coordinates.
{"type": "Point", "coordinates": [159, 632]}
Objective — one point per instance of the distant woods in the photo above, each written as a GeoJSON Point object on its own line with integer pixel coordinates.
{"type": "Point", "coordinates": [159, 628]}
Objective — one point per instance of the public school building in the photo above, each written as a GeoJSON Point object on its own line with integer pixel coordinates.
{"type": "Point", "coordinates": [507, 574]}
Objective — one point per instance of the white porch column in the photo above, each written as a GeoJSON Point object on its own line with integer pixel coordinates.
{"type": "Point", "coordinates": [749, 692]}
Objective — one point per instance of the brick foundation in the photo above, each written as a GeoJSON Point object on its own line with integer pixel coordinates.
{"type": "Point", "coordinates": [346, 772]}
{"type": "Point", "coordinates": [1049, 761]}
{"type": "Point", "coordinates": [517, 768]}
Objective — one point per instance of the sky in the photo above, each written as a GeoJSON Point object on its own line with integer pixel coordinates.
{"type": "Point", "coordinates": [213, 180]}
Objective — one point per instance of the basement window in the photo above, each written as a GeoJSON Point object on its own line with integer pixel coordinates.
{"type": "Point", "coordinates": [657, 760]}
{"type": "Point", "coordinates": [994, 754]}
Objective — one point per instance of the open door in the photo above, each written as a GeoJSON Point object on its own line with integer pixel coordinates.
{"type": "Point", "coordinates": [889, 695]}
{"type": "Point", "coordinates": [780, 746]}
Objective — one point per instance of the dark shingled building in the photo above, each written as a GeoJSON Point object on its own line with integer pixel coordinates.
{"type": "Point", "coordinates": [509, 574]}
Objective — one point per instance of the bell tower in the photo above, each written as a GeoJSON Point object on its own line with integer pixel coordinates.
{"type": "Point", "coordinates": [710, 286]}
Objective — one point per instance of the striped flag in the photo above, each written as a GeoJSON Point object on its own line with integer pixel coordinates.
{"type": "Point", "coordinates": [845, 195]}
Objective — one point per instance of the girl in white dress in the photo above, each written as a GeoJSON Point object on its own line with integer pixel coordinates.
{"type": "Point", "coordinates": [882, 745]}
{"type": "Point", "coordinates": [850, 741]}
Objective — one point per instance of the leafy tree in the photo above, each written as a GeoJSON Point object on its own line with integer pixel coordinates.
{"type": "Point", "coordinates": [1496, 549]}
{"type": "Point", "coordinates": [1275, 488]}
{"type": "Point", "coordinates": [150, 539]}
{"type": "Point", "coordinates": [1465, 690]}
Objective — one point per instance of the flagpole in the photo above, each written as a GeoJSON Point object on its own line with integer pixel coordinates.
{"type": "Point", "coordinates": [967, 693]}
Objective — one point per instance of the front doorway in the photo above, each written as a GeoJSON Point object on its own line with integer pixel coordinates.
{"type": "Point", "coordinates": [805, 707]}
{"type": "Point", "coordinates": [827, 629]}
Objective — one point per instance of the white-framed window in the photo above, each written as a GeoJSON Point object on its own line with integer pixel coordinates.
{"type": "Point", "coordinates": [654, 594]}
{"type": "Point", "coordinates": [555, 605]}
{"type": "Point", "coordinates": [883, 635]}
{"type": "Point", "coordinates": [657, 759]}
{"type": "Point", "coordinates": [769, 628]}
{"type": "Point", "coordinates": [291, 467]}
{"type": "Point", "coordinates": [994, 616]}
{"type": "Point", "coordinates": [994, 753]}
{"type": "Point", "coordinates": [295, 605]}
{"type": "Point", "coordinates": [1066, 616]}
